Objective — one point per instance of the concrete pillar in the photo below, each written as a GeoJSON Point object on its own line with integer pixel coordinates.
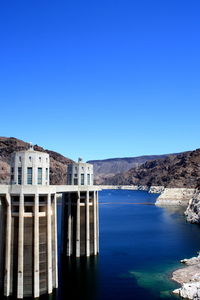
{"type": "Point", "coordinates": [95, 221]}
{"type": "Point", "coordinates": [63, 232]}
{"type": "Point", "coordinates": [87, 224]}
{"type": "Point", "coordinates": [97, 201]}
{"type": "Point", "coordinates": [78, 227]}
{"type": "Point", "coordinates": [7, 248]}
{"type": "Point", "coordinates": [20, 248]}
{"type": "Point", "coordinates": [55, 241]}
{"type": "Point", "coordinates": [49, 244]}
{"type": "Point", "coordinates": [36, 248]}
{"type": "Point", "coordinates": [69, 220]}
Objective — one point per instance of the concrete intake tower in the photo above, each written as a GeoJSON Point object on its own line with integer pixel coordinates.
{"type": "Point", "coordinates": [80, 222]}
{"type": "Point", "coordinates": [28, 215]}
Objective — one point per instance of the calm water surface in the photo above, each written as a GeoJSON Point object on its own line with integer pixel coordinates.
{"type": "Point", "coordinates": [140, 244]}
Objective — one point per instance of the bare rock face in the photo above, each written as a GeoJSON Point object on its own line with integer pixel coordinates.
{"type": "Point", "coordinates": [187, 274]}
{"type": "Point", "coordinates": [156, 189]}
{"type": "Point", "coordinates": [189, 291]}
{"type": "Point", "coordinates": [107, 168]}
{"type": "Point", "coordinates": [58, 163]}
{"type": "Point", "coordinates": [4, 172]}
{"type": "Point", "coordinates": [193, 211]}
{"type": "Point", "coordinates": [189, 278]}
{"type": "Point", "coordinates": [175, 196]}
{"type": "Point", "coordinates": [174, 171]}
{"type": "Point", "coordinates": [191, 261]}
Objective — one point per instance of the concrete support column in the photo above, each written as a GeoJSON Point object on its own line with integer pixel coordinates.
{"type": "Point", "coordinates": [55, 240]}
{"type": "Point", "coordinates": [63, 230]}
{"type": "Point", "coordinates": [7, 248]}
{"type": "Point", "coordinates": [69, 220]}
{"type": "Point", "coordinates": [87, 224]}
{"type": "Point", "coordinates": [78, 226]}
{"type": "Point", "coordinates": [97, 204]}
{"type": "Point", "coordinates": [20, 248]}
{"type": "Point", "coordinates": [95, 221]}
{"type": "Point", "coordinates": [49, 243]}
{"type": "Point", "coordinates": [36, 248]}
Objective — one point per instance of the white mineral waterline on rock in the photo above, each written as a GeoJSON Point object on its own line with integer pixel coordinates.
{"type": "Point", "coordinates": [175, 196]}
{"type": "Point", "coordinates": [124, 187]}
{"type": "Point", "coordinates": [189, 278]}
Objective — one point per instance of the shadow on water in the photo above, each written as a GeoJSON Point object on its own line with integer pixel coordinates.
{"type": "Point", "coordinates": [77, 280]}
{"type": "Point", "coordinates": [77, 276]}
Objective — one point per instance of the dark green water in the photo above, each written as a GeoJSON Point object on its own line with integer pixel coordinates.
{"type": "Point", "coordinates": [140, 244]}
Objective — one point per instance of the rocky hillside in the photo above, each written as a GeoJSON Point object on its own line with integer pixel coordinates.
{"type": "Point", "coordinates": [193, 211]}
{"type": "Point", "coordinates": [57, 161]}
{"type": "Point", "coordinates": [109, 167]}
{"type": "Point", "coordinates": [178, 170]}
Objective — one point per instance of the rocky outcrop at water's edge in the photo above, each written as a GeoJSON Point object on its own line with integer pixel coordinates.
{"type": "Point", "coordinates": [175, 196]}
{"type": "Point", "coordinates": [193, 211]}
{"type": "Point", "coordinates": [184, 197]}
{"type": "Point", "coordinates": [156, 189]}
{"type": "Point", "coordinates": [189, 278]}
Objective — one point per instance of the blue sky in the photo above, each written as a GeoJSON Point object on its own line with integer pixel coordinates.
{"type": "Point", "coordinates": [100, 79]}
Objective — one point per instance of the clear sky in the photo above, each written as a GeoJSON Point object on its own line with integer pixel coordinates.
{"type": "Point", "coordinates": [101, 78]}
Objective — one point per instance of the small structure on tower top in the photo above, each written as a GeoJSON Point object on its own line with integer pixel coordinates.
{"type": "Point", "coordinates": [31, 147]}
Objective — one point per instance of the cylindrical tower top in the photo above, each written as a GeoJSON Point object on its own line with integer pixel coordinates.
{"type": "Point", "coordinates": [80, 173]}
{"type": "Point", "coordinates": [30, 167]}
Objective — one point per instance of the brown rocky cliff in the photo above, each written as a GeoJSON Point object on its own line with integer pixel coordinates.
{"type": "Point", "coordinates": [178, 170]}
{"type": "Point", "coordinates": [107, 168]}
{"type": "Point", "coordinates": [58, 162]}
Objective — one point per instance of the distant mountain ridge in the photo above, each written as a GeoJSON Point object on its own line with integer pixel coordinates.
{"type": "Point", "coordinates": [178, 170]}
{"type": "Point", "coordinates": [107, 168]}
{"type": "Point", "coordinates": [173, 170]}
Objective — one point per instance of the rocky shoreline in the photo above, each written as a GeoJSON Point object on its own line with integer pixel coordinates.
{"type": "Point", "coordinates": [151, 189]}
{"type": "Point", "coordinates": [193, 211]}
{"type": "Point", "coordinates": [189, 278]}
{"type": "Point", "coordinates": [181, 197]}
{"type": "Point", "coordinates": [175, 196]}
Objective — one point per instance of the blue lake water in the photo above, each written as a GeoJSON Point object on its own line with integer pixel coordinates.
{"type": "Point", "coordinates": [140, 244]}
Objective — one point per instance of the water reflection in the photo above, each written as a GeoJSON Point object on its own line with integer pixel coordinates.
{"type": "Point", "coordinates": [173, 209]}
{"type": "Point", "coordinates": [78, 278]}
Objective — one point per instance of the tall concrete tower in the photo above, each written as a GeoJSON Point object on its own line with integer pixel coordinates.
{"type": "Point", "coordinates": [31, 227]}
{"type": "Point", "coordinates": [81, 222]}
{"type": "Point", "coordinates": [80, 173]}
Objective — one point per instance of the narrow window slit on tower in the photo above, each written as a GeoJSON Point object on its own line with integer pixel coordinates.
{"type": "Point", "coordinates": [29, 175]}
{"type": "Point", "coordinates": [39, 175]}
